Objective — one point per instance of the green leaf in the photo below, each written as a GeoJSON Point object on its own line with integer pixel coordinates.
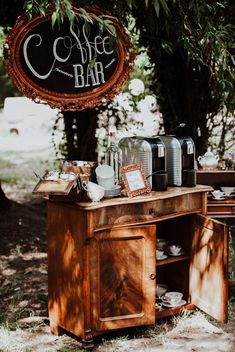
{"type": "Point", "coordinates": [70, 15]}
{"type": "Point", "coordinates": [129, 3]}
{"type": "Point", "coordinates": [157, 7]}
{"type": "Point", "coordinates": [101, 26]}
{"type": "Point", "coordinates": [53, 19]}
{"type": "Point", "coordinates": [164, 6]}
{"type": "Point", "coordinates": [87, 28]}
{"type": "Point", "coordinates": [111, 29]}
{"type": "Point", "coordinates": [92, 62]}
{"type": "Point", "coordinates": [42, 11]}
{"type": "Point", "coordinates": [113, 43]}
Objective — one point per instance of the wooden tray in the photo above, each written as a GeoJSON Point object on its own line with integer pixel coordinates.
{"type": "Point", "coordinates": [58, 187]}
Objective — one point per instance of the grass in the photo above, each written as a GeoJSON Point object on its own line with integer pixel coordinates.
{"type": "Point", "coordinates": [10, 180]}
{"type": "Point", "coordinates": [17, 251]}
{"type": "Point", "coordinates": [231, 307]}
{"type": "Point", "coordinates": [9, 325]}
{"type": "Point", "coordinates": [68, 349]}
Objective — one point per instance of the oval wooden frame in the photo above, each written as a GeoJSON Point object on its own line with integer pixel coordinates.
{"type": "Point", "coordinates": [63, 101]}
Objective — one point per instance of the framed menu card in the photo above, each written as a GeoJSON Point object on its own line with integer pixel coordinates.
{"type": "Point", "coordinates": [134, 180]}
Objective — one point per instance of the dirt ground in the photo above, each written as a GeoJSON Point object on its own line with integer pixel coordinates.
{"type": "Point", "coordinates": [23, 295]}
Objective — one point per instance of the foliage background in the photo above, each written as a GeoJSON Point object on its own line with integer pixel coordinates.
{"type": "Point", "coordinates": [191, 50]}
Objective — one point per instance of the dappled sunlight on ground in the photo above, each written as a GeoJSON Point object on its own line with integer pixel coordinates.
{"type": "Point", "coordinates": [24, 324]}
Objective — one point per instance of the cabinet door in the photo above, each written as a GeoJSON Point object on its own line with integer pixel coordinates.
{"type": "Point", "coordinates": [123, 262]}
{"type": "Point", "coordinates": [208, 269]}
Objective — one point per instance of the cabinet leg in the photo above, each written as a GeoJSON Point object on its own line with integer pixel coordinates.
{"type": "Point", "coordinates": [87, 342]}
{"type": "Point", "coordinates": [56, 329]}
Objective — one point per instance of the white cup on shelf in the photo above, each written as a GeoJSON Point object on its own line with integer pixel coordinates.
{"type": "Point", "coordinates": [172, 297]}
{"type": "Point", "coordinates": [159, 254]}
{"type": "Point", "coordinates": [175, 249]}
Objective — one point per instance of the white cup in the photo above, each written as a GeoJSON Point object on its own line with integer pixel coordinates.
{"type": "Point", "coordinates": [95, 192]}
{"type": "Point", "coordinates": [105, 176]}
{"type": "Point", "coordinates": [95, 196]}
{"type": "Point", "coordinates": [161, 289]}
{"type": "Point", "coordinates": [218, 194]}
{"type": "Point", "coordinates": [175, 249]}
{"type": "Point", "coordinates": [91, 186]}
{"type": "Point", "coordinates": [159, 254]}
{"type": "Point", "coordinates": [173, 297]}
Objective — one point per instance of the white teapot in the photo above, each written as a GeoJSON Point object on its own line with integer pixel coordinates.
{"type": "Point", "coordinates": [208, 161]}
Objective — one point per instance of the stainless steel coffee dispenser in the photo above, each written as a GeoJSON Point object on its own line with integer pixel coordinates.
{"type": "Point", "coordinates": [150, 151]}
{"type": "Point", "coordinates": [180, 156]}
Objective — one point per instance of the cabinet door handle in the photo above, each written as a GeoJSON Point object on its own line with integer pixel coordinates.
{"type": "Point", "coordinates": [152, 276]}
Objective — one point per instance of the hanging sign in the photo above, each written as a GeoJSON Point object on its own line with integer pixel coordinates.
{"type": "Point", "coordinates": [72, 67]}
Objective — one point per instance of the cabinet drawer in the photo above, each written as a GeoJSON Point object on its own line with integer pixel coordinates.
{"type": "Point", "coordinates": [146, 212]}
{"type": "Point", "coordinates": [221, 209]}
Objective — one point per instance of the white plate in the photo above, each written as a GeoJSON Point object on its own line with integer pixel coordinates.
{"type": "Point", "coordinates": [169, 305]}
{"type": "Point", "coordinates": [113, 192]}
{"type": "Point", "coordinates": [218, 198]}
{"type": "Point", "coordinates": [163, 257]}
{"type": "Point", "coordinates": [175, 255]}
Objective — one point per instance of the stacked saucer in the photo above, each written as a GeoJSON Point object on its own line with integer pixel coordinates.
{"type": "Point", "coordinates": [112, 192]}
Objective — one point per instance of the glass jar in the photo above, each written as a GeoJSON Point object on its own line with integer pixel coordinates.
{"type": "Point", "coordinates": [113, 155]}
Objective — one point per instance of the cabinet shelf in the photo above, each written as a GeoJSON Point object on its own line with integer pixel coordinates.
{"type": "Point", "coordinates": [172, 260]}
{"type": "Point", "coordinates": [165, 312]}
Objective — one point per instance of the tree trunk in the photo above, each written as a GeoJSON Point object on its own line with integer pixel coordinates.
{"type": "Point", "coordinates": [185, 97]}
{"type": "Point", "coordinates": [80, 129]}
{"type": "Point", "coordinates": [4, 201]}
{"type": "Point", "coordinates": [182, 84]}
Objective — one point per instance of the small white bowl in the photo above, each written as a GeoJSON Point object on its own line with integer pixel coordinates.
{"type": "Point", "coordinates": [161, 289]}
{"type": "Point", "coordinates": [227, 190]}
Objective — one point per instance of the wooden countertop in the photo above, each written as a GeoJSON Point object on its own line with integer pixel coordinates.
{"type": "Point", "coordinates": [201, 171]}
{"type": "Point", "coordinates": [170, 193]}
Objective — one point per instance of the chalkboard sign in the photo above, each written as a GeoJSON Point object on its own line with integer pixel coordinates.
{"type": "Point", "coordinates": [70, 67]}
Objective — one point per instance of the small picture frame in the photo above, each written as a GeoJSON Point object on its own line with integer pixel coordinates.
{"type": "Point", "coordinates": [134, 180]}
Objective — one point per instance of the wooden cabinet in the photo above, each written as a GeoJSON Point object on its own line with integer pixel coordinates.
{"type": "Point", "coordinates": [102, 261]}
{"type": "Point", "coordinates": [216, 179]}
